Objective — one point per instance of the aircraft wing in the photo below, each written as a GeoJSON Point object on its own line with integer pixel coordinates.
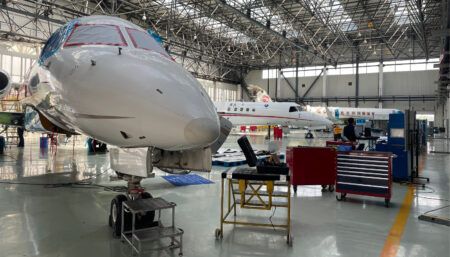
{"type": "Point", "coordinates": [12, 118]}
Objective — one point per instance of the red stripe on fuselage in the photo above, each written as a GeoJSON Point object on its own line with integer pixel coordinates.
{"type": "Point", "coordinates": [259, 116]}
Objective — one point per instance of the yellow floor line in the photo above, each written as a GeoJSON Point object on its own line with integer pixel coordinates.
{"type": "Point", "coordinates": [392, 242]}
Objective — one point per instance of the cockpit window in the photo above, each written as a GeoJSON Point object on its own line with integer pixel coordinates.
{"type": "Point", "coordinates": [145, 41]}
{"type": "Point", "coordinates": [296, 109]}
{"type": "Point", "coordinates": [293, 109]}
{"type": "Point", "coordinates": [96, 34]}
{"type": "Point", "coordinates": [55, 41]}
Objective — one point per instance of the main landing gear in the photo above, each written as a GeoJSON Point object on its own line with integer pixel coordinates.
{"type": "Point", "coordinates": [134, 191]}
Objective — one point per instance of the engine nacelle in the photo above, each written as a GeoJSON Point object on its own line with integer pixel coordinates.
{"type": "Point", "coordinates": [5, 83]}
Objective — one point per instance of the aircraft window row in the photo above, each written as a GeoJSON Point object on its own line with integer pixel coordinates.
{"type": "Point", "coordinates": [241, 109]}
{"type": "Point", "coordinates": [96, 34]}
{"type": "Point", "coordinates": [357, 113]}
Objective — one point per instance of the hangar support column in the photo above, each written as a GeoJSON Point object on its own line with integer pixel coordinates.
{"type": "Point", "coordinates": [324, 86]}
{"type": "Point", "coordinates": [239, 92]}
{"type": "Point", "coordinates": [357, 81]}
{"type": "Point", "coordinates": [444, 66]}
{"type": "Point", "coordinates": [380, 84]}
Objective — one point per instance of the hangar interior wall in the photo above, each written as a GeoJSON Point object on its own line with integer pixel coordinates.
{"type": "Point", "coordinates": [411, 83]}
{"type": "Point", "coordinates": [221, 91]}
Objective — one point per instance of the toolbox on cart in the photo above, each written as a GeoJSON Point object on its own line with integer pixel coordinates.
{"type": "Point", "coordinates": [312, 166]}
{"type": "Point", "coordinates": [262, 167]}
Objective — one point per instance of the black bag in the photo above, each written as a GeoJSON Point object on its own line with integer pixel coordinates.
{"type": "Point", "coordinates": [263, 166]}
{"type": "Point", "coordinates": [247, 149]}
{"type": "Point", "coordinates": [271, 168]}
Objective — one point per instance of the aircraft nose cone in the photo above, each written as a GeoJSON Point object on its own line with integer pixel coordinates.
{"type": "Point", "coordinates": [201, 131]}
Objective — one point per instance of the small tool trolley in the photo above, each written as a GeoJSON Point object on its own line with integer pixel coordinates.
{"type": "Point", "coordinates": [248, 189]}
{"type": "Point", "coordinates": [364, 173]}
{"type": "Point", "coordinates": [169, 237]}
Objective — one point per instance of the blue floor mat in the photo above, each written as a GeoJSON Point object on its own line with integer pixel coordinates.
{"type": "Point", "coordinates": [186, 180]}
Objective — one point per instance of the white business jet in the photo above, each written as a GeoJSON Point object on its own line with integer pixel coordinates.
{"type": "Point", "coordinates": [343, 113]}
{"type": "Point", "coordinates": [271, 113]}
{"type": "Point", "coordinates": [110, 80]}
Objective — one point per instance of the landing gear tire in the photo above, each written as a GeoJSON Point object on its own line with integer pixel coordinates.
{"type": "Point", "coordinates": [218, 234]}
{"type": "Point", "coordinates": [146, 220]}
{"type": "Point", "coordinates": [290, 240]}
{"type": "Point", "coordinates": [331, 188]}
{"type": "Point", "coordinates": [309, 135]}
{"type": "Point", "coordinates": [387, 202]}
{"type": "Point", "coordinates": [115, 215]}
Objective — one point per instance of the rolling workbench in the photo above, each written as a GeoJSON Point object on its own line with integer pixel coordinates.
{"type": "Point", "coordinates": [248, 189]}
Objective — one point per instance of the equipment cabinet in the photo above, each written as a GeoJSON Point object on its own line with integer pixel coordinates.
{"type": "Point", "coordinates": [312, 166]}
{"type": "Point", "coordinates": [364, 173]}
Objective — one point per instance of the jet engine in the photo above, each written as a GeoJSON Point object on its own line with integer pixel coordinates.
{"type": "Point", "coordinates": [5, 83]}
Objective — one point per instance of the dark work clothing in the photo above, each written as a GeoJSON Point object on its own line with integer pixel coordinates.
{"type": "Point", "coordinates": [20, 135]}
{"type": "Point", "coordinates": [349, 133]}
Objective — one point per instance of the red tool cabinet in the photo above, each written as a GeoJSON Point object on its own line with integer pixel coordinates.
{"type": "Point", "coordinates": [364, 173]}
{"type": "Point", "coordinates": [312, 166]}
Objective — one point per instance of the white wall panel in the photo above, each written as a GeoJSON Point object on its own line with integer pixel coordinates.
{"type": "Point", "coordinates": [415, 83]}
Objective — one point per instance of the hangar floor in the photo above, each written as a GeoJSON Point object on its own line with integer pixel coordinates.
{"type": "Point", "coordinates": [38, 220]}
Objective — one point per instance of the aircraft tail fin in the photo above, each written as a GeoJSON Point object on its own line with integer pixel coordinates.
{"type": "Point", "coordinates": [259, 94]}
{"type": "Point", "coordinates": [330, 115]}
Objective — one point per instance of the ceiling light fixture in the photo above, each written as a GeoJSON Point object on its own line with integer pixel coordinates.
{"type": "Point", "coordinates": [144, 17]}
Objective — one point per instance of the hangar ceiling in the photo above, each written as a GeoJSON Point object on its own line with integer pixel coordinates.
{"type": "Point", "coordinates": [223, 39]}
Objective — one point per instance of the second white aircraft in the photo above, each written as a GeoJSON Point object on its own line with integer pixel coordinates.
{"type": "Point", "coordinates": [270, 113]}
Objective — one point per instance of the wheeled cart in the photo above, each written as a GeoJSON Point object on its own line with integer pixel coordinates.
{"type": "Point", "coordinates": [364, 173]}
{"type": "Point", "coordinates": [247, 189]}
{"type": "Point", "coordinates": [169, 237]}
{"type": "Point", "coordinates": [312, 166]}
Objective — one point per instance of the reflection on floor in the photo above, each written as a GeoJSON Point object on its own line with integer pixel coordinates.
{"type": "Point", "coordinates": [71, 220]}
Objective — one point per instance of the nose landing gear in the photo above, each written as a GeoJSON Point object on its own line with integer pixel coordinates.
{"type": "Point", "coordinates": [309, 135]}
{"type": "Point", "coordinates": [134, 192]}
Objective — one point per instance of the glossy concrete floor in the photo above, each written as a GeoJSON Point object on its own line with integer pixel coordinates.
{"type": "Point", "coordinates": [56, 220]}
